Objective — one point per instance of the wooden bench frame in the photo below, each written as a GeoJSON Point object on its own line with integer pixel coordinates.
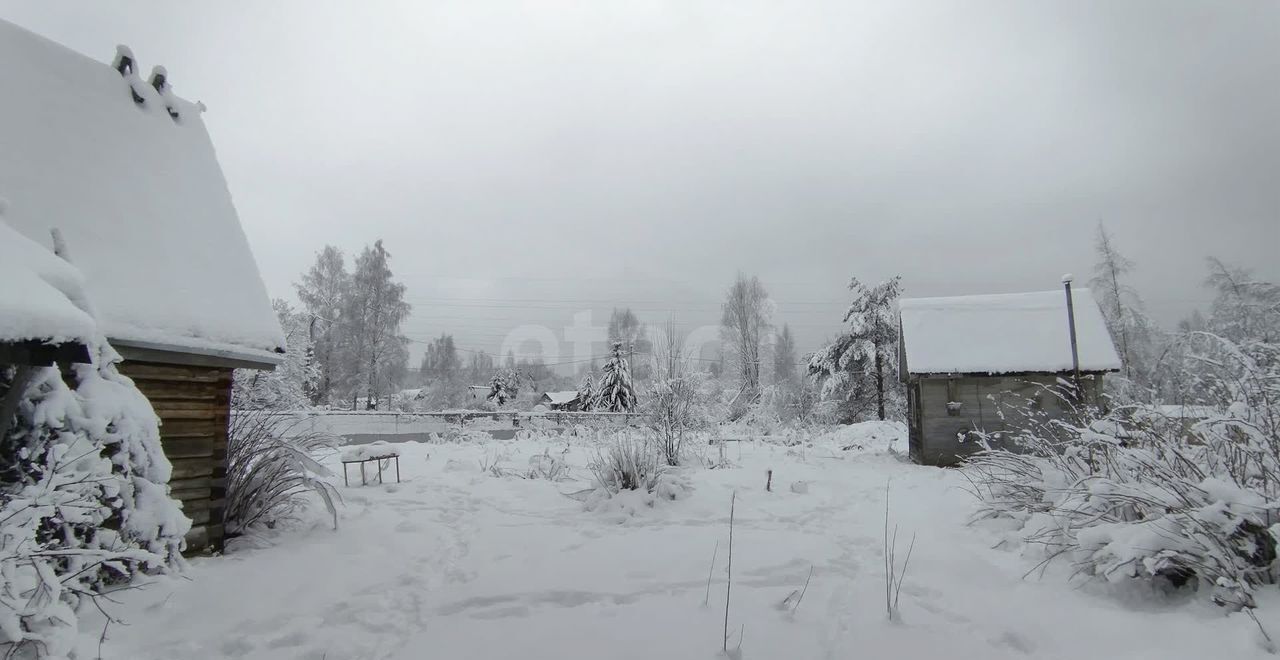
{"type": "Point", "coordinates": [376, 459]}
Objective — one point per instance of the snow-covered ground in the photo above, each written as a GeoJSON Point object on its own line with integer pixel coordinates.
{"type": "Point", "coordinates": [457, 563]}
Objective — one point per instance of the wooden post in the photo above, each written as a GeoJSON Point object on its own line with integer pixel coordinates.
{"type": "Point", "coordinates": [1071, 326]}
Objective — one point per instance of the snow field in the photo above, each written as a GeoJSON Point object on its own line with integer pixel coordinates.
{"type": "Point", "coordinates": [456, 563]}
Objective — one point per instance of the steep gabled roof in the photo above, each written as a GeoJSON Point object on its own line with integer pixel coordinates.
{"type": "Point", "coordinates": [138, 196]}
{"type": "Point", "coordinates": [1005, 333]}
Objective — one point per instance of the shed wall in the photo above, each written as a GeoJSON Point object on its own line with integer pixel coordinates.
{"type": "Point", "coordinates": [945, 437]}
{"type": "Point", "coordinates": [194, 405]}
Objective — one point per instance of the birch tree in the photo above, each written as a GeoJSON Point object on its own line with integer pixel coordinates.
{"type": "Point", "coordinates": [744, 323]}
{"type": "Point", "coordinates": [373, 314]}
{"type": "Point", "coordinates": [323, 292]}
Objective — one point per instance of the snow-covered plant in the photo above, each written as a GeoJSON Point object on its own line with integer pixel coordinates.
{"type": "Point", "coordinates": [271, 467]}
{"type": "Point", "coordinates": [627, 463]}
{"type": "Point", "coordinates": [84, 498]}
{"type": "Point", "coordinates": [504, 387]}
{"type": "Point", "coordinates": [614, 393]}
{"type": "Point", "coordinates": [287, 386]}
{"type": "Point", "coordinates": [1143, 496]}
{"type": "Point", "coordinates": [547, 466]}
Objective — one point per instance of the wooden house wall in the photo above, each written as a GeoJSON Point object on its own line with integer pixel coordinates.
{"type": "Point", "coordinates": [194, 405]}
{"type": "Point", "coordinates": [940, 436]}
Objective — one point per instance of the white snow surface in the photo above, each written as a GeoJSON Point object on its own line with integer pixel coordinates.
{"type": "Point", "coordinates": [138, 196]}
{"type": "Point", "coordinates": [455, 563]}
{"type": "Point", "coordinates": [43, 296]}
{"type": "Point", "coordinates": [1004, 333]}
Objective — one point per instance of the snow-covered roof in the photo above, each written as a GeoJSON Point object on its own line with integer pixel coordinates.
{"type": "Point", "coordinates": [558, 398]}
{"type": "Point", "coordinates": [1004, 333]}
{"type": "Point", "coordinates": [138, 196]}
{"type": "Point", "coordinates": [42, 296]}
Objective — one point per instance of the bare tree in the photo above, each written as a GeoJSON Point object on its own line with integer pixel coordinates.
{"type": "Point", "coordinates": [1122, 308]}
{"type": "Point", "coordinates": [745, 320]}
{"type": "Point", "coordinates": [784, 358]}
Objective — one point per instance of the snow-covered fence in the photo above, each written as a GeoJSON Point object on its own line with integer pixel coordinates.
{"type": "Point", "coordinates": [363, 423]}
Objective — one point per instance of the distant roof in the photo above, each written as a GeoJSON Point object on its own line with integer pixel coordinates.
{"type": "Point", "coordinates": [1005, 333]}
{"type": "Point", "coordinates": [561, 397]}
{"type": "Point", "coordinates": [138, 196]}
{"type": "Point", "coordinates": [42, 297]}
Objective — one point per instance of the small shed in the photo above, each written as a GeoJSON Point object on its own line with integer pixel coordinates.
{"type": "Point", "coordinates": [125, 171]}
{"type": "Point", "coordinates": [567, 400]}
{"type": "Point", "coordinates": [964, 358]}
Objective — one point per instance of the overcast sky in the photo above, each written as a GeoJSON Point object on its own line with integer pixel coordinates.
{"type": "Point", "coordinates": [525, 160]}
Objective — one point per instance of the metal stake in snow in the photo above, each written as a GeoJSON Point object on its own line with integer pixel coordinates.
{"type": "Point", "coordinates": [1071, 326]}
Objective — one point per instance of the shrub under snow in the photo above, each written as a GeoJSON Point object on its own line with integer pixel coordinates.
{"type": "Point", "coordinates": [84, 499]}
{"type": "Point", "coordinates": [1142, 496]}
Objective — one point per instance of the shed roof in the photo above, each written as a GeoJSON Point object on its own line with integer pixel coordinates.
{"type": "Point", "coordinates": [138, 196]}
{"type": "Point", "coordinates": [1004, 333]}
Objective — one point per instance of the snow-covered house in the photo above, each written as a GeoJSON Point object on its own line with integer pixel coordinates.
{"type": "Point", "coordinates": [965, 359]}
{"type": "Point", "coordinates": [567, 400]}
{"type": "Point", "coordinates": [125, 171]}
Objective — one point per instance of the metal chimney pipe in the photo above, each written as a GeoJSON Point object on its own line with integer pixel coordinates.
{"type": "Point", "coordinates": [1071, 326]}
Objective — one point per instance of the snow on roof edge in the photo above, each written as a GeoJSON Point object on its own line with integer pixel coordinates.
{"type": "Point", "coordinates": [1003, 333]}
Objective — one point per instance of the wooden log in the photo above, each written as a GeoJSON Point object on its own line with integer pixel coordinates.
{"type": "Point", "coordinates": [185, 468]}
{"type": "Point", "coordinates": [189, 447]}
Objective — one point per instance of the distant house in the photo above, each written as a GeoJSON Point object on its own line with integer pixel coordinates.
{"type": "Point", "coordinates": [125, 171]}
{"type": "Point", "coordinates": [567, 401]}
{"type": "Point", "coordinates": [478, 392]}
{"type": "Point", "coordinates": [963, 358]}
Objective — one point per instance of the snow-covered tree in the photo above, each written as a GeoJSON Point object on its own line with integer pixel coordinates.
{"type": "Point", "coordinates": [614, 393]}
{"type": "Point", "coordinates": [84, 497]}
{"type": "Point", "coordinates": [504, 387]}
{"type": "Point", "coordinates": [1245, 308]}
{"type": "Point", "coordinates": [372, 315]}
{"type": "Point", "coordinates": [784, 358]}
{"type": "Point", "coordinates": [625, 327]}
{"type": "Point", "coordinates": [287, 386]}
{"type": "Point", "coordinates": [480, 367]}
{"type": "Point", "coordinates": [861, 361]}
{"type": "Point", "coordinates": [1133, 332]}
{"type": "Point", "coordinates": [744, 323]}
{"type": "Point", "coordinates": [586, 392]}
{"type": "Point", "coordinates": [323, 291]}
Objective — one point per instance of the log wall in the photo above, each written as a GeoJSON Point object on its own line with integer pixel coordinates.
{"type": "Point", "coordinates": [194, 405]}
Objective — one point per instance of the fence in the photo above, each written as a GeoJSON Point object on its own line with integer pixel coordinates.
{"type": "Point", "coordinates": [361, 424]}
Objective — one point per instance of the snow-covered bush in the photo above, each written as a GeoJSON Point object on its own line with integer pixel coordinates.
{"type": "Point", "coordinates": [682, 402]}
{"type": "Point", "coordinates": [627, 463]}
{"type": "Point", "coordinates": [271, 466]}
{"type": "Point", "coordinates": [466, 434]}
{"type": "Point", "coordinates": [1128, 496]}
{"type": "Point", "coordinates": [547, 466]}
{"type": "Point", "coordinates": [84, 498]}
